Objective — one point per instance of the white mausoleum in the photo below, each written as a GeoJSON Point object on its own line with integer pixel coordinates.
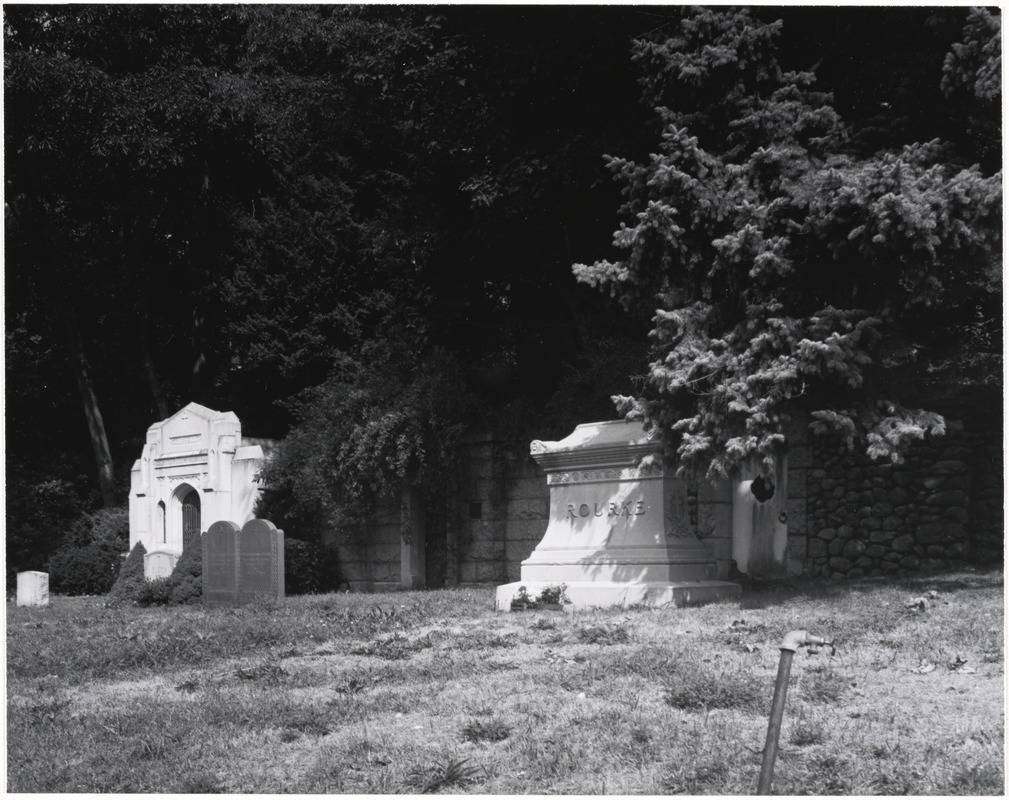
{"type": "Point", "coordinates": [196, 469]}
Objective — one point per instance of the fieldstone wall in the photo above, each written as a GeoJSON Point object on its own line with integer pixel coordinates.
{"type": "Point", "coordinates": [797, 505]}
{"type": "Point", "coordinates": [943, 504]}
{"type": "Point", "coordinates": [986, 532]}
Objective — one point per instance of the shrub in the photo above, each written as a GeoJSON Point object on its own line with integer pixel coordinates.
{"type": "Point", "coordinates": [83, 570]}
{"type": "Point", "coordinates": [187, 578]}
{"type": "Point", "coordinates": [183, 587]}
{"type": "Point", "coordinates": [155, 593]}
{"type": "Point", "coordinates": [89, 558]}
{"type": "Point", "coordinates": [39, 514]}
{"type": "Point", "coordinates": [110, 527]}
{"type": "Point", "coordinates": [131, 577]}
{"type": "Point", "coordinates": [309, 568]}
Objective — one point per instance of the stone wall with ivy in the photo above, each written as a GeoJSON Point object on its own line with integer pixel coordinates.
{"type": "Point", "coordinates": [370, 559]}
{"type": "Point", "coordinates": [847, 516]}
{"type": "Point", "coordinates": [503, 508]}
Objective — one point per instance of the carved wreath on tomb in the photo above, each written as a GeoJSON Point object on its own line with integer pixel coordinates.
{"type": "Point", "coordinates": [677, 514]}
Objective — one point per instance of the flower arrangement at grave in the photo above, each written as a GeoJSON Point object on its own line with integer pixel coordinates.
{"type": "Point", "coordinates": [550, 597]}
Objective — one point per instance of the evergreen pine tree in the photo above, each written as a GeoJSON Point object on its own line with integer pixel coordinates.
{"type": "Point", "coordinates": [782, 269]}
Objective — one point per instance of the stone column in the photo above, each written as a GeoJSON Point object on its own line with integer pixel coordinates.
{"type": "Point", "coordinates": [411, 564]}
{"type": "Point", "coordinates": [760, 522]}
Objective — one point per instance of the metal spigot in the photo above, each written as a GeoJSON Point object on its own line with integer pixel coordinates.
{"type": "Point", "coordinates": [792, 641]}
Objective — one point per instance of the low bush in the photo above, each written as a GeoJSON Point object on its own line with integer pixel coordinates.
{"type": "Point", "coordinates": [110, 527]}
{"type": "Point", "coordinates": [183, 587]}
{"type": "Point", "coordinates": [39, 514]}
{"type": "Point", "coordinates": [131, 580]}
{"type": "Point", "coordinates": [187, 578]}
{"type": "Point", "coordinates": [90, 557]}
{"type": "Point", "coordinates": [309, 568]}
{"type": "Point", "coordinates": [155, 593]}
{"type": "Point", "coordinates": [88, 569]}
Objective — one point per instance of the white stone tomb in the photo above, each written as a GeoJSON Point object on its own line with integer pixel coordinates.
{"type": "Point", "coordinates": [195, 469]}
{"type": "Point", "coordinates": [619, 532]}
{"type": "Point", "coordinates": [33, 588]}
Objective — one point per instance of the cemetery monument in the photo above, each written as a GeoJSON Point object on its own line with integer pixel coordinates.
{"type": "Point", "coordinates": [196, 467]}
{"type": "Point", "coordinates": [619, 531]}
{"type": "Point", "coordinates": [33, 588]}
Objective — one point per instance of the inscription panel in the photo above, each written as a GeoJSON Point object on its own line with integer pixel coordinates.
{"type": "Point", "coordinates": [627, 508]}
{"type": "Point", "coordinates": [221, 552]}
{"type": "Point", "coordinates": [241, 564]}
{"type": "Point", "coordinates": [261, 566]}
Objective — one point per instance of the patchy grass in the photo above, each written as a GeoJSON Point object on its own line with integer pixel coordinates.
{"type": "Point", "coordinates": [434, 692]}
{"type": "Point", "coordinates": [492, 730]}
{"type": "Point", "coordinates": [697, 687]}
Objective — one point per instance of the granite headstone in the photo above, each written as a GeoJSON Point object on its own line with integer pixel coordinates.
{"type": "Point", "coordinates": [261, 561]}
{"type": "Point", "coordinates": [241, 564]}
{"type": "Point", "coordinates": [220, 564]}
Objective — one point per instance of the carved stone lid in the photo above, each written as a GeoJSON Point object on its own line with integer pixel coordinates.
{"type": "Point", "coordinates": [597, 444]}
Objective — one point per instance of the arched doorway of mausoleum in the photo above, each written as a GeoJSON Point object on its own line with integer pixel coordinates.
{"type": "Point", "coordinates": [187, 522]}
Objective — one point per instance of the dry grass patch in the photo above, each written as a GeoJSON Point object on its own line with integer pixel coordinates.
{"type": "Point", "coordinates": [436, 692]}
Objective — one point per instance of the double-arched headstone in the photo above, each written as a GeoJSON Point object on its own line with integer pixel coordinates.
{"type": "Point", "coordinates": [241, 564]}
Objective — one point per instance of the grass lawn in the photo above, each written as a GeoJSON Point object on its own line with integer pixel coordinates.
{"type": "Point", "coordinates": [436, 692]}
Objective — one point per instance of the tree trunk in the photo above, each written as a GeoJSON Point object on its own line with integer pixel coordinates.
{"type": "Point", "coordinates": [96, 426]}
{"type": "Point", "coordinates": [152, 376]}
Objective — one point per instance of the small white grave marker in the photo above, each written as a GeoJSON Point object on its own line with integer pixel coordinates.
{"type": "Point", "coordinates": [159, 564]}
{"type": "Point", "coordinates": [33, 588]}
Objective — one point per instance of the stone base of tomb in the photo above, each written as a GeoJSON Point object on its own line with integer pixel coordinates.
{"type": "Point", "coordinates": [606, 594]}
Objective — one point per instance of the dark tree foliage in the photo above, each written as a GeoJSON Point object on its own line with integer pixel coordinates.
{"type": "Point", "coordinates": [91, 554]}
{"type": "Point", "coordinates": [309, 568]}
{"type": "Point", "coordinates": [457, 317]}
{"type": "Point", "coordinates": [365, 434]}
{"type": "Point", "coordinates": [114, 116]}
{"type": "Point", "coordinates": [786, 267]}
{"type": "Point", "coordinates": [355, 225]}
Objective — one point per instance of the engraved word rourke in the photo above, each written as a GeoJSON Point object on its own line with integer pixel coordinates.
{"type": "Point", "coordinates": [627, 509]}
